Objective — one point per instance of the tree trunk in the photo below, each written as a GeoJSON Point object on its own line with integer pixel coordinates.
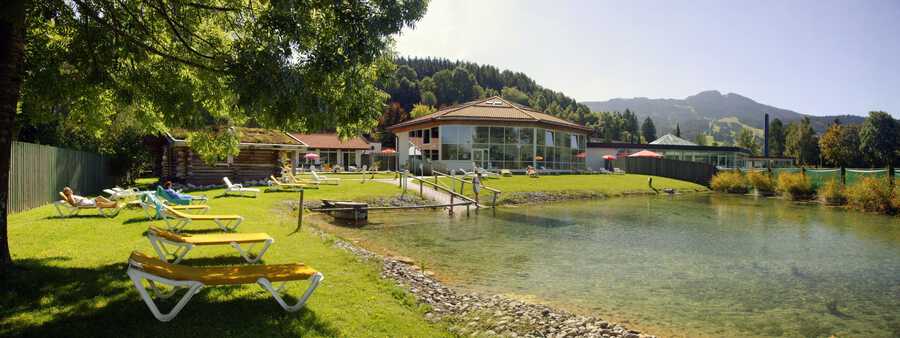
{"type": "Point", "coordinates": [12, 58]}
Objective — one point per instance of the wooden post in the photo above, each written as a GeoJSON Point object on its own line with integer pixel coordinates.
{"type": "Point", "coordinates": [421, 189]}
{"type": "Point", "coordinates": [451, 203]}
{"type": "Point", "coordinates": [300, 212]}
{"type": "Point", "coordinates": [843, 175]}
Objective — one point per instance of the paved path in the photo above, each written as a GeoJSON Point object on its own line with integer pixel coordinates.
{"type": "Point", "coordinates": [429, 192]}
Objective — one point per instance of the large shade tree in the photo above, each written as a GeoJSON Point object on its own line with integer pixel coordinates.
{"type": "Point", "coordinates": [879, 139]}
{"type": "Point", "coordinates": [201, 64]}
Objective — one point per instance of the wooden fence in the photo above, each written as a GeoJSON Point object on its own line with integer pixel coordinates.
{"type": "Point", "coordinates": [700, 173]}
{"type": "Point", "coordinates": [38, 173]}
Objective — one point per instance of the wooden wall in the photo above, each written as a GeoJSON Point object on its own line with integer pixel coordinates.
{"type": "Point", "coordinates": [180, 164]}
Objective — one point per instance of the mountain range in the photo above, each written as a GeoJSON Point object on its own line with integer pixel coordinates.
{"type": "Point", "coordinates": [720, 115]}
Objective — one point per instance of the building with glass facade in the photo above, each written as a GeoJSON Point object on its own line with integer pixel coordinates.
{"type": "Point", "coordinates": [673, 148]}
{"type": "Point", "coordinates": [493, 134]}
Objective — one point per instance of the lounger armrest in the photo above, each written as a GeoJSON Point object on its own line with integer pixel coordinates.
{"type": "Point", "coordinates": [238, 186]}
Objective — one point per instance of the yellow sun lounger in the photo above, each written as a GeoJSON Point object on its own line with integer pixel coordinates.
{"type": "Point", "coordinates": [142, 267]}
{"type": "Point", "coordinates": [68, 208]}
{"type": "Point", "coordinates": [278, 185]}
{"type": "Point", "coordinates": [153, 206]}
{"type": "Point", "coordinates": [162, 239]}
{"type": "Point", "coordinates": [177, 220]}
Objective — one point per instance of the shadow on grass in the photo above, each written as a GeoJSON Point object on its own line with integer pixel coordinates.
{"type": "Point", "coordinates": [234, 196]}
{"type": "Point", "coordinates": [42, 299]}
{"type": "Point", "coordinates": [78, 216]}
{"type": "Point", "coordinates": [142, 219]}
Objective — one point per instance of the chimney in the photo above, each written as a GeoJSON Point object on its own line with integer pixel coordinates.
{"type": "Point", "coordinates": [766, 137]}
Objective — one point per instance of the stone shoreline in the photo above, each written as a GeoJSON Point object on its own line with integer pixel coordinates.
{"type": "Point", "coordinates": [472, 314]}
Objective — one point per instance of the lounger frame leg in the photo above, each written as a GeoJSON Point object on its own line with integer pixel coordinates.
{"type": "Point", "coordinates": [175, 256]}
{"type": "Point", "coordinates": [276, 293]}
{"type": "Point", "coordinates": [69, 210]}
{"type": "Point", "coordinates": [229, 225]}
{"type": "Point", "coordinates": [138, 276]}
{"type": "Point", "coordinates": [176, 224]}
{"type": "Point", "coordinates": [248, 255]}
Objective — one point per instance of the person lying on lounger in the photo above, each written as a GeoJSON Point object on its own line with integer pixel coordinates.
{"type": "Point", "coordinates": [171, 191]}
{"type": "Point", "coordinates": [81, 201]}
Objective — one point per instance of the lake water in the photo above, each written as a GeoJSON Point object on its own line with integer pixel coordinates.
{"type": "Point", "coordinates": [692, 265]}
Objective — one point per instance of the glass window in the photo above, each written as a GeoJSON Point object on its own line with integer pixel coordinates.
{"type": "Point", "coordinates": [427, 137]}
{"type": "Point", "coordinates": [496, 135]}
{"type": "Point", "coordinates": [448, 151]}
{"type": "Point", "coordinates": [540, 137]}
{"type": "Point", "coordinates": [412, 133]}
{"type": "Point", "coordinates": [574, 141]}
{"type": "Point", "coordinates": [482, 135]}
{"type": "Point", "coordinates": [510, 152]}
{"type": "Point", "coordinates": [526, 153]}
{"type": "Point", "coordinates": [526, 136]}
{"type": "Point", "coordinates": [465, 134]}
{"type": "Point", "coordinates": [548, 136]}
{"type": "Point", "coordinates": [464, 152]}
{"type": "Point", "coordinates": [434, 132]}
{"type": "Point", "coordinates": [448, 135]}
{"type": "Point", "coordinates": [512, 135]}
{"type": "Point", "coordinates": [496, 152]}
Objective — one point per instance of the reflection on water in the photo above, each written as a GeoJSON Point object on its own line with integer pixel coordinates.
{"type": "Point", "coordinates": [697, 265]}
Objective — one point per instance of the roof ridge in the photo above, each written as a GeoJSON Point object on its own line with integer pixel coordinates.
{"type": "Point", "coordinates": [524, 111]}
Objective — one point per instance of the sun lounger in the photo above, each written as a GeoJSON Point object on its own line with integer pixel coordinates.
{"type": "Point", "coordinates": [117, 193]}
{"type": "Point", "coordinates": [238, 189]}
{"type": "Point", "coordinates": [143, 267]}
{"type": "Point", "coordinates": [154, 208]}
{"type": "Point", "coordinates": [177, 220]}
{"type": "Point", "coordinates": [67, 208]}
{"type": "Point", "coordinates": [161, 240]}
{"type": "Point", "coordinates": [277, 185]}
{"type": "Point", "coordinates": [618, 171]}
{"type": "Point", "coordinates": [321, 179]}
{"type": "Point", "coordinates": [160, 192]}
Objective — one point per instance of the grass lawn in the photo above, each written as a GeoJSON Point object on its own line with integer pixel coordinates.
{"type": "Point", "coordinates": [349, 175]}
{"type": "Point", "coordinates": [70, 278]}
{"type": "Point", "coordinates": [606, 184]}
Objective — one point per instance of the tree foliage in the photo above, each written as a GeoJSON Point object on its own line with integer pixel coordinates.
{"type": "Point", "coordinates": [776, 138]}
{"type": "Point", "coordinates": [801, 142]}
{"type": "Point", "coordinates": [745, 139]}
{"type": "Point", "coordinates": [839, 146]}
{"type": "Point", "coordinates": [879, 138]}
{"type": "Point", "coordinates": [648, 130]}
{"type": "Point", "coordinates": [420, 110]}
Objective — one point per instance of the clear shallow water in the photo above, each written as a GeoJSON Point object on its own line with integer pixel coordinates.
{"type": "Point", "coordinates": [695, 265]}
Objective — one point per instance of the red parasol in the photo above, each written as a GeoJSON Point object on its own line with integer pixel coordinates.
{"type": "Point", "coordinates": [581, 155]}
{"type": "Point", "coordinates": [645, 153]}
{"type": "Point", "coordinates": [311, 156]}
{"type": "Point", "coordinates": [388, 151]}
{"type": "Point", "coordinates": [538, 158]}
{"type": "Point", "coordinates": [609, 157]}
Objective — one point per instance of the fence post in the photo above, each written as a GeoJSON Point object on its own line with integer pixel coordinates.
{"type": "Point", "coordinates": [451, 204]}
{"type": "Point", "coordinates": [300, 212]}
{"type": "Point", "coordinates": [843, 175]}
{"type": "Point", "coordinates": [421, 189]}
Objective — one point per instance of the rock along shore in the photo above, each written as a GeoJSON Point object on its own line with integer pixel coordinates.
{"type": "Point", "coordinates": [472, 314]}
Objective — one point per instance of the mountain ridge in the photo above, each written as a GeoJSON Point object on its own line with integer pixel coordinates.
{"type": "Point", "coordinates": [709, 112]}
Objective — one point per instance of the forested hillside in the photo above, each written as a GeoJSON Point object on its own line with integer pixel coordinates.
{"type": "Point", "coordinates": [440, 83]}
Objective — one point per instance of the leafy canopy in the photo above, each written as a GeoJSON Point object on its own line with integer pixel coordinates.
{"type": "Point", "coordinates": [206, 65]}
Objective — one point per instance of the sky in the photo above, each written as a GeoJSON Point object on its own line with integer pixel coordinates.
{"type": "Point", "coordinates": [815, 57]}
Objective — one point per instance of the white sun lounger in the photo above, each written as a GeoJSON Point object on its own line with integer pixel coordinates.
{"type": "Point", "coordinates": [142, 267]}
{"type": "Point", "coordinates": [238, 189]}
{"type": "Point", "coordinates": [321, 179]}
{"type": "Point", "coordinates": [161, 240]}
{"type": "Point", "coordinates": [66, 208]}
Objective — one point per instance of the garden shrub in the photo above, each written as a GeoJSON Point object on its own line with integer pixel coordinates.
{"type": "Point", "coordinates": [729, 181]}
{"type": "Point", "coordinates": [872, 194]}
{"type": "Point", "coordinates": [795, 186]}
{"type": "Point", "coordinates": [832, 193]}
{"type": "Point", "coordinates": [761, 181]}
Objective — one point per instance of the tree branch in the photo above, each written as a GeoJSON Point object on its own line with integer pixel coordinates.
{"type": "Point", "coordinates": [162, 11]}
{"type": "Point", "coordinates": [93, 14]}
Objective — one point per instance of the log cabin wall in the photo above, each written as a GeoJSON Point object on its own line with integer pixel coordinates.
{"type": "Point", "coordinates": [183, 166]}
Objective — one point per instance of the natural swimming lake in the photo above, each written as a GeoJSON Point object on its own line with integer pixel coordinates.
{"type": "Point", "coordinates": [691, 265]}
